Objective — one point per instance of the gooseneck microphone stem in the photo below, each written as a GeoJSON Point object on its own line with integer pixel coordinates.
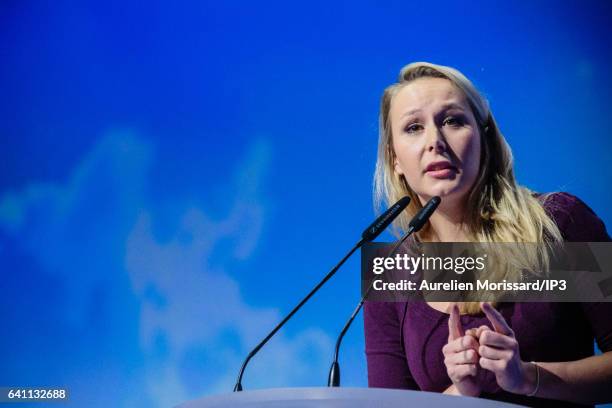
{"type": "Point", "coordinates": [363, 298]}
{"type": "Point", "coordinates": [333, 379]}
{"type": "Point", "coordinates": [368, 235]}
{"type": "Point", "coordinates": [238, 386]}
{"type": "Point", "coordinates": [415, 225]}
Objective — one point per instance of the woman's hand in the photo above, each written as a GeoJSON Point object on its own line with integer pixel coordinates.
{"type": "Point", "coordinates": [461, 356]}
{"type": "Point", "coordinates": [499, 353]}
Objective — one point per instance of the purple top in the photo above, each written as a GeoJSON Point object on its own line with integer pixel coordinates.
{"type": "Point", "coordinates": [545, 331]}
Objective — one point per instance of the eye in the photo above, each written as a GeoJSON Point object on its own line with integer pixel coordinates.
{"type": "Point", "coordinates": [413, 128]}
{"type": "Point", "coordinates": [453, 121]}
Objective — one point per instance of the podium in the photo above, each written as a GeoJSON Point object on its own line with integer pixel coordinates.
{"type": "Point", "coordinates": [332, 397]}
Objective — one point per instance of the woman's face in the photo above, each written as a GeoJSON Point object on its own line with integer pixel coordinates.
{"type": "Point", "coordinates": [436, 139]}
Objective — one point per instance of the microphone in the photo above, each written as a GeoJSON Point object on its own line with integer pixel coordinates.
{"type": "Point", "coordinates": [415, 225]}
{"type": "Point", "coordinates": [382, 222]}
{"type": "Point", "coordinates": [368, 235]}
{"type": "Point", "coordinates": [423, 215]}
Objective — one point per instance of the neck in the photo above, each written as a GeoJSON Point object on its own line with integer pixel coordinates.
{"type": "Point", "coordinates": [448, 225]}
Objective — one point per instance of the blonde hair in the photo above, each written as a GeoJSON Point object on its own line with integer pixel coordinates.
{"type": "Point", "coordinates": [499, 210]}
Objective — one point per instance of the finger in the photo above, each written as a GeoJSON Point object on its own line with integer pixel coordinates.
{"type": "Point", "coordinates": [491, 338]}
{"type": "Point", "coordinates": [477, 331]}
{"type": "Point", "coordinates": [493, 353]}
{"type": "Point", "coordinates": [497, 320]}
{"type": "Point", "coordinates": [496, 366]}
{"type": "Point", "coordinates": [463, 357]}
{"type": "Point", "coordinates": [472, 332]}
{"type": "Point", "coordinates": [451, 325]}
{"type": "Point", "coordinates": [460, 344]}
{"type": "Point", "coordinates": [481, 329]}
{"type": "Point", "coordinates": [460, 372]}
{"type": "Point", "coordinates": [454, 324]}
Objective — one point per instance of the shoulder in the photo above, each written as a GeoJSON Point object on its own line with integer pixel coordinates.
{"type": "Point", "coordinates": [574, 218]}
{"type": "Point", "coordinates": [384, 312]}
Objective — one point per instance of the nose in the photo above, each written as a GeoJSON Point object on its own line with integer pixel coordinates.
{"type": "Point", "coordinates": [435, 140]}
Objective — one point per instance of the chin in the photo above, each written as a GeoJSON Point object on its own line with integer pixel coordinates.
{"type": "Point", "coordinates": [445, 190]}
{"type": "Point", "coordinates": [448, 191]}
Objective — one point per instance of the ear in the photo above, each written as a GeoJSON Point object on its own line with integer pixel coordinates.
{"type": "Point", "coordinates": [397, 168]}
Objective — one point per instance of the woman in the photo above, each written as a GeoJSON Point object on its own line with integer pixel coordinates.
{"type": "Point", "coordinates": [438, 137]}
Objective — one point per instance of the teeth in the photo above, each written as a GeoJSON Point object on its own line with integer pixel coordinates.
{"type": "Point", "coordinates": [440, 167]}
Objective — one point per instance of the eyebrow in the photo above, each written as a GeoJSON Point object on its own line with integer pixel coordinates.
{"type": "Point", "coordinates": [445, 107]}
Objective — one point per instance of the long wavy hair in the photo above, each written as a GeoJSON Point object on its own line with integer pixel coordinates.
{"type": "Point", "coordinates": [498, 209]}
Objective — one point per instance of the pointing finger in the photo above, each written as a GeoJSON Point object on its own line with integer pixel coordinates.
{"type": "Point", "coordinates": [497, 320]}
{"type": "Point", "coordinates": [455, 330]}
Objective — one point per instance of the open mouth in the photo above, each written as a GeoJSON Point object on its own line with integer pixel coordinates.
{"type": "Point", "coordinates": [442, 169]}
{"type": "Point", "coordinates": [440, 165]}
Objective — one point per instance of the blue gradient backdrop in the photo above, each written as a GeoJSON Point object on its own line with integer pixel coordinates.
{"type": "Point", "coordinates": [173, 177]}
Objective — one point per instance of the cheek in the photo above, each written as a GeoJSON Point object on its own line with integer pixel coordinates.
{"type": "Point", "coordinates": [468, 150]}
{"type": "Point", "coordinates": [475, 149]}
{"type": "Point", "coordinates": [407, 155]}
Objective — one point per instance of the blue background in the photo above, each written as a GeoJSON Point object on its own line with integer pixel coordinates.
{"type": "Point", "coordinates": [174, 177]}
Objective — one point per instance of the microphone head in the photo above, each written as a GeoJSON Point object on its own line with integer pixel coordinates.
{"type": "Point", "coordinates": [384, 220]}
{"type": "Point", "coordinates": [424, 213]}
